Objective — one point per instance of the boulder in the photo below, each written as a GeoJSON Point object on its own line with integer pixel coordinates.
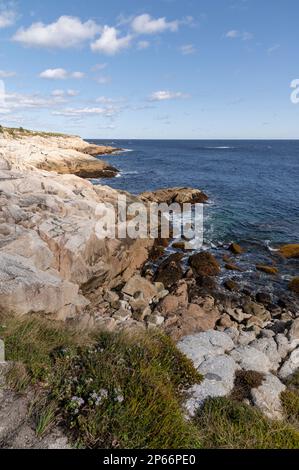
{"type": "Point", "coordinates": [202, 346]}
{"type": "Point", "coordinates": [205, 264]}
{"type": "Point", "coordinates": [272, 270]}
{"type": "Point", "coordinates": [175, 195]}
{"type": "Point", "coordinates": [232, 267]}
{"type": "Point", "coordinates": [269, 347]}
{"type": "Point", "coordinates": [219, 375]}
{"type": "Point", "coordinates": [236, 249]}
{"type": "Point", "coordinates": [294, 331]}
{"type": "Point", "coordinates": [263, 298]}
{"type": "Point", "coordinates": [267, 397]}
{"type": "Point", "coordinates": [290, 251]}
{"type": "Point", "coordinates": [294, 285]}
{"type": "Point", "coordinates": [170, 270]}
{"type": "Point", "coordinates": [231, 285]}
{"type": "Point", "coordinates": [138, 286]}
{"type": "Point", "coordinates": [290, 366]}
{"type": "Point", "coordinates": [249, 358]}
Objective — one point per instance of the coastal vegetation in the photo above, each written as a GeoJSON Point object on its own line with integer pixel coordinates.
{"type": "Point", "coordinates": [125, 390]}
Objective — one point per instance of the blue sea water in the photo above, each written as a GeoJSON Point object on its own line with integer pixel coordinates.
{"type": "Point", "coordinates": [253, 186]}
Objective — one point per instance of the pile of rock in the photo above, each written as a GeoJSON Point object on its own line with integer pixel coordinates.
{"type": "Point", "coordinates": [218, 355]}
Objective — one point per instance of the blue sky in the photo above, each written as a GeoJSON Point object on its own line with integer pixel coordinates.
{"type": "Point", "coordinates": [191, 69]}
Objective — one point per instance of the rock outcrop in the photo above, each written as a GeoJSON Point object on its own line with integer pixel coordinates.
{"type": "Point", "coordinates": [63, 154]}
{"type": "Point", "coordinates": [175, 195]}
{"type": "Point", "coordinates": [51, 255]}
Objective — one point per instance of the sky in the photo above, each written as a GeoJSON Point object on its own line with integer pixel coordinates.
{"type": "Point", "coordinates": [159, 69]}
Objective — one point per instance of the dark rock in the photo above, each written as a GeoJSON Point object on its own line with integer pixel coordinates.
{"type": "Point", "coordinates": [232, 267]}
{"type": "Point", "coordinates": [272, 270]}
{"type": "Point", "coordinates": [231, 285]}
{"type": "Point", "coordinates": [236, 249]}
{"type": "Point", "coordinates": [204, 263]}
{"type": "Point", "coordinates": [170, 270]}
{"type": "Point", "coordinates": [294, 285]}
{"type": "Point", "coordinates": [263, 298]}
{"type": "Point", "coordinates": [156, 252]}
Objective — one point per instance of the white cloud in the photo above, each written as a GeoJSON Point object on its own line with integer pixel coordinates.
{"type": "Point", "coordinates": [103, 80]}
{"type": "Point", "coordinates": [97, 67]}
{"type": "Point", "coordinates": [273, 48]}
{"type": "Point", "coordinates": [143, 45]}
{"type": "Point", "coordinates": [145, 24]}
{"type": "Point", "coordinates": [7, 18]}
{"type": "Point", "coordinates": [67, 31]}
{"type": "Point", "coordinates": [165, 95]}
{"type": "Point", "coordinates": [7, 74]}
{"type": "Point", "coordinates": [188, 49]}
{"type": "Point", "coordinates": [61, 93]}
{"type": "Point", "coordinates": [235, 34]}
{"type": "Point", "coordinates": [60, 74]}
{"type": "Point", "coordinates": [109, 43]}
{"type": "Point", "coordinates": [87, 111]}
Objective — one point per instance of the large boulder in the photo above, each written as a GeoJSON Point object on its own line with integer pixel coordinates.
{"type": "Point", "coordinates": [170, 270]}
{"type": "Point", "coordinates": [290, 251]}
{"type": "Point", "coordinates": [267, 397]}
{"type": "Point", "coordinates": [204, 263]}
{"type": "Point", "coordinates": [175, 195]}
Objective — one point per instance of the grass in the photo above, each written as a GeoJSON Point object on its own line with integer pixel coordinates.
{"type": "Point", "coordinates": [20, 132]}
{"type": "Point", "coordinates": [225, 423]}
{"type": "Point", "coordinates": [109, 389]}
{"type": "Point", "coordinates": [113, 390]}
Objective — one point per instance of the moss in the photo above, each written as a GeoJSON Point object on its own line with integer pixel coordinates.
{"type": "Point", "coordinates": [290, 251]}
{"type": "Point", "coordinates": [245, 381]}
{"type": "Point", "coordinates": [224, 423]}
{"type": "Point", "coordinates": [267, 269]}
{"type": "Point", "coordinates": [294, 285]}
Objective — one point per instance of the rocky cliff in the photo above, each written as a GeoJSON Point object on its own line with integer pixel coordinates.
{"type": "Point", "coordinates": [49, 251]}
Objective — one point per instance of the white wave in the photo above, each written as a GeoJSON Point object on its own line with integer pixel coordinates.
{"type": "Point", "coordinates": [223, 147]}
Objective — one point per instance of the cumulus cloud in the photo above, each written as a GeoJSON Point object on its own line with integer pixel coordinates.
{"type": "Point", "coordinates": [60, 74]}
{"type": "Point", "coordinates": [188, 49]}
{"type": "Point", "coordinates": [66, 32]}
{"type": "Point", "coordinates": [7, 18]}
{"type": "Point", "coordinates": [145, 24]}
{"type": "Point", "coordinates": [165, 95]}
{"type": "Point", "coordinates": [235, 34]}
{"type": "Point", "coordinates": [109, 42]}
{"type": "Point", "coordinates": [7, 74]}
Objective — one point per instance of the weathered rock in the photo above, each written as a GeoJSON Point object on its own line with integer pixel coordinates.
{"type": "Point", "coordinates": [175, 195]}
{"type": "Point", "coordinates": [137, 286]}
{"type": "Point", "coordinates": [290, 251]}
{"type": "Point", "coordinates": [204, 263]}
{"type": "Point", "coordinates": [219, 374]}
{"type": "Point", "coordinates": [246, 337]}
{"type": "Point", "coordinates": [269, 347]}
{"type": "Point", "coordinates": [250, 358]}
{"type": "Point", "coordinates": [155, 320]}
{"type": "Point", "coordinates": [294, 331]}
{"type": "Point", "coordinates": [236, 249]}
{"type": "Point", "coordinates": [201, 346]}
{"type": "Point", "coordinates": [259, 311]}
{"type": "Point", "coordinates": [290, 365]}
{"type": "Point", "coordinates": [267, 397]}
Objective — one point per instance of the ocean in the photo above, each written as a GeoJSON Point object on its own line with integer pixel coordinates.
{"type": "Point", "coordinates": [253, 189]}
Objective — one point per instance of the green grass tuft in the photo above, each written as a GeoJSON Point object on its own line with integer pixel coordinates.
{"type": "Point", "coordinates": [225, 423]}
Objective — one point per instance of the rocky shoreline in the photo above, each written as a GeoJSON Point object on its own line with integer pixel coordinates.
{"type": "Point", "coordinates": [53, 264]}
